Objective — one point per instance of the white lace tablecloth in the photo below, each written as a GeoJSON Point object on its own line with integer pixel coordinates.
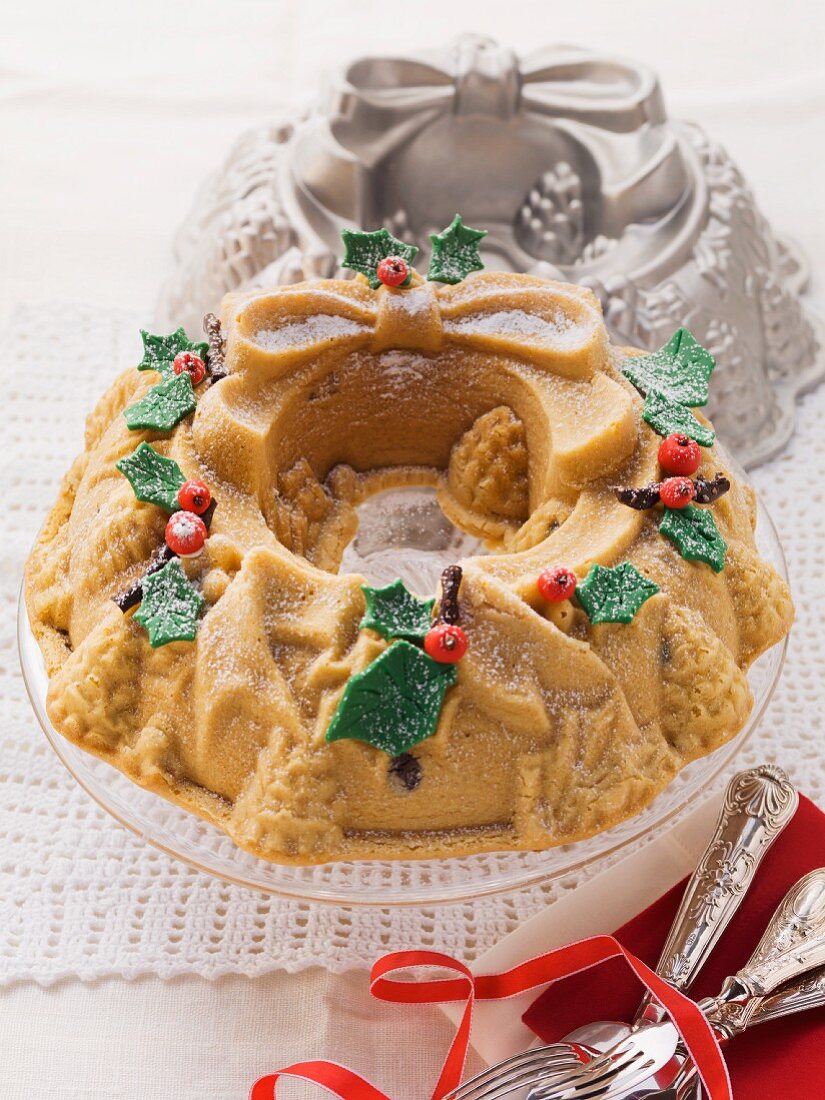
{"type": "Point", "coordinates": [80, 895]}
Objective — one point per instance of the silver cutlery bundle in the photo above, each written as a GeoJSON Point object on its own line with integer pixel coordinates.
{"type": "Point", "coordinates": [609, 1060]}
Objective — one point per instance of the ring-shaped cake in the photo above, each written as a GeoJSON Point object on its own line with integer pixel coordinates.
{"type": "Point", "coordinates": [502, 392]}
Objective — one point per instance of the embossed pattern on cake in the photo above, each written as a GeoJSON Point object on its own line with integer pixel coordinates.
{"type": "Point", "coordinates": [504, 393]}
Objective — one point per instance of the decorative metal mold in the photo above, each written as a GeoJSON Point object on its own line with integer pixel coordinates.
{"type": "Point", "coordinates": [570, 161]}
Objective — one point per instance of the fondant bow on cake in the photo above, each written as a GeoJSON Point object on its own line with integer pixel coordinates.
{"type": "Point", "coordinates": [560, 331]}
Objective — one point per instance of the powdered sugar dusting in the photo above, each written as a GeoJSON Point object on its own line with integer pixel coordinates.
{"type": "Point", "coordinates": [313, 330]}
{"type": "Point", "coordinates": [556, 330]}
{"type": "Point", "coordinates": [401, 369]}
{"type": "Point", "coordinates": [414, 302]}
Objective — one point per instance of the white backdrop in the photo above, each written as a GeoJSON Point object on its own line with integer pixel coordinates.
{"type": "Point", "coordinates": [110, 115]}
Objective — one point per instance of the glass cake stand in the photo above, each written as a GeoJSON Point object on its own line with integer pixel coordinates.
{"type": "Point", "coordinates": [402, 533]}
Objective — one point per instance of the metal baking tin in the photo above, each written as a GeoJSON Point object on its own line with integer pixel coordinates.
{"type": "Point", "coordinates": [570, 161]}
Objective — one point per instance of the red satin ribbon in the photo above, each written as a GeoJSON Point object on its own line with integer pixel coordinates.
{"type": "Point", "coordinates": [696, 1032]}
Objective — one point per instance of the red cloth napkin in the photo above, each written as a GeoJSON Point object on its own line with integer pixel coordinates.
{"type": "Point", "coordinates": [784, 1060]}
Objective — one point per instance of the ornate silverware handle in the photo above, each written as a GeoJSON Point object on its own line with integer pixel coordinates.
{"type": "Point", "coordinates": [798, 996]}
{"type": "Point", "coordinates": [792, 946]}
{"type": "Point", "coordinates": [794, 941]}
{"type": "Point", "coordinates": [731, 1019]}
{"type": "Point", "coordinates": [758, 805]}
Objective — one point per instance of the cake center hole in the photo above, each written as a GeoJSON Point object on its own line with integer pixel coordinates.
{"type": "Point", "coordinates": [403, 533]}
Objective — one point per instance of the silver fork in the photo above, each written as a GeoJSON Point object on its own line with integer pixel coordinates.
{"type": "Point", "coordinates": [575, 1072]}
{"type": "Point", "coordinates": [630, 1062]}
{"type": "Point", "coordinates": [521, 1071]}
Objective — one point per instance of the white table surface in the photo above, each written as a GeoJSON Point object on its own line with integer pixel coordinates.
{"type": "Point", "coordinates": [110, 115]}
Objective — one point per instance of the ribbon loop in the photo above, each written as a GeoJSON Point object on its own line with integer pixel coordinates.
{"type": "Point", "coordinates": [434, 991]}
{"type": "Point", "coordinates": [696, 1032]}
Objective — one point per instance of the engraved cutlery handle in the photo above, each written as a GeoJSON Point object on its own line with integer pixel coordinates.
{"type": "Point", "coordinates": [805, 993]}
{"type": "Point", "coordinates": [793, 944]}
{"type": "Point", "coordinates": [731, 1019]}
{"type": "Point", "coordinates": [800, 995]}
{"type": "Point", "coordinates": [758, 805]}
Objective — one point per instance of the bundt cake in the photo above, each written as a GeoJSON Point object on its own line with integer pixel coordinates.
{"type": "Point", "coordinates": [198, 636]}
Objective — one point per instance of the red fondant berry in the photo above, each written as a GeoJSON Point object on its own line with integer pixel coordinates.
{"type": "Point", "coordinates": [679, 454]}
{"type": "Point", "coordinates": [194, 496]}
{"type": "Point", "coordinates": [185, 534]}
{"type": "Point", "coordinates": [393, 271]}
{"type": "Point", "coordinates": [445, 642]}
{"type": "Point", "coordinates": [557, 583]}
{"type": "Point", "coordinates": [192, 364]}
{"type": "Point", "coordinates": [676, 492]}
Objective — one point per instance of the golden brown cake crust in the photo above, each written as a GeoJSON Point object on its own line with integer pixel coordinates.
{"type": "Point", "coordinates": [503, 392]}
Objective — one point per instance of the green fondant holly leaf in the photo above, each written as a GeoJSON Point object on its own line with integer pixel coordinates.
{"type": "Point", "coordinates": [666, 416]}
{"type": "Point", "coordinates": [455, 252]}
{"type": "Point", "coordinates": [680, 370]}
{"type": "Point", "coordinates": [155, 479]}
{"type": "Point", "coordinates": [170, 606]}
{"type": "Point", "coordinates": [159, 351]}
{"type": "Point", "coordinates": [164, 406]}
{"type": "Point", "coordinates": [395, 702]}
{"type": "Point", "coordinates": [395, 612]}
{"type": "Point", "coordinates": [365, 251]}
{"type": "Point", "coordinates": [696, 535]}
{"type": "Point", "coordinates": [614, 595]}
